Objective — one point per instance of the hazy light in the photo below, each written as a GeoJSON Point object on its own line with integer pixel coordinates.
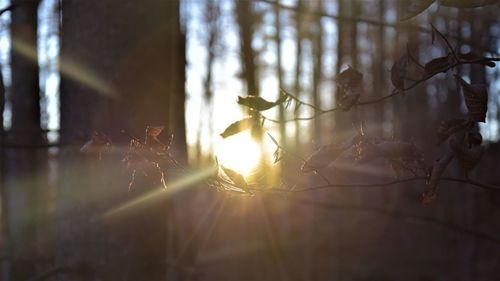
{"type": "Point", "coordinates": [172, 187]}
{"type": "Point", "coordinates": [68, 68]}
{"type": "Point", "coordinates": [242, 153]}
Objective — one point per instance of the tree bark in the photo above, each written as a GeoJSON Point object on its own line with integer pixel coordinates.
{"type": "Point", "coordinates": [123, 68]}
{"type": "Point", "coordinates": [23, 190]}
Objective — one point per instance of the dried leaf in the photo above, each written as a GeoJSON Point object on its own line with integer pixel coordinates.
{"type": "Point", "coordinates": [398, 72]}
{"type": "Point", "coordinates": [409, 8]}
{"type": "Point", "coordinates": [142, 158]}
{"type": "Point", "coordinates": [474, 138]}
{"type": "Point", "coordinates": [282, 98]}
{"type": "Point", "coordinates": [350, 82]}
{"type": "Point", "coordinates": [325, 155]}
{"type": "Point", "coordinates": [237, 127]}
{"type": "Point", "coordinates": [437, 171]}
{"type": "Point", "coordinates": [476, 99]}
{"type": "Point", "coordinates": [151, 139]}
{"type": "Point", "coordinates": [467, 157]}
{"type": "Point", "coordinates": [260, 104]}
{"type": "Point", "coordinates": [97, 143]}
{"type": "Point", "coordinates": [256, 102]}
{"type": "Point", "coordinates": [449, 127]}
{"type": "Point", "coordinates": [437, 65]}
{"type": "Point", "coordinates": [278, 153]}
{"type": "Point", "coordinates": [238, 180]}
{"type": "Point", "coordinates": [468, 150]}
{"type": "Point", "coordinates": [429, 196]}
{"type": "Point", "coordinates": [370, 149]}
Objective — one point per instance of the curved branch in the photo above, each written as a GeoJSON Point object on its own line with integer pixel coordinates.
{"type": "Point", "coordinates": [319, 111]}
{"type": "Point", "coordinates": [381, 184]}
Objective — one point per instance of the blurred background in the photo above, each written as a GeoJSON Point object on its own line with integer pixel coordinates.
{"type": "Point", "coordinates": [73, 67]}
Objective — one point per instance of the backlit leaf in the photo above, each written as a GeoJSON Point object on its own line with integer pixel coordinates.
{"type": "Point", "coordinates": [256, 102]}
{"type": "Point", "coordinates": [237, 127]}
{"type": "Point", "coordinates": [97, 143]}
{"type": "Point", "coordinates": [476, 99]}
{"type": "Point", "coordinates": [238, 180]}
{"type": "Point", "coordinates": [260, 104]}
{"type": "Point", "coordinates": [151, 139]}
{"type": "Point", "coordinates": [325, 155]}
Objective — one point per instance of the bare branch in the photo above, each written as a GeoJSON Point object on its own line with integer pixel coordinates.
{"type": "Point", "coordinates": [381, 184]}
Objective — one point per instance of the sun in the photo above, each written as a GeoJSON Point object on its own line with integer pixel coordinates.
{"type": "Point", "coordinates": [240, 152]}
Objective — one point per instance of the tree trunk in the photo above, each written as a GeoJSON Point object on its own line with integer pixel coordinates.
{"type": "Point", "coordinates": [245, 17]}
{"type": "Point", "coordinates": [123, 69]}
{"type": "Point", "coordinates": [22, 186]}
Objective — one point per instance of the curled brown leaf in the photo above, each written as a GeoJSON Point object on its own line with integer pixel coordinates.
{"type": "Point", "coordinates": [97, 143]}
{"type": "Point", "coordinates": [476, 99]}
{"type": "Point", "coordinates": [398, 72]}
{"type": "Point", "coordinates": [449, 127]}
{"type": "Point", "coordinates": [350, 81]}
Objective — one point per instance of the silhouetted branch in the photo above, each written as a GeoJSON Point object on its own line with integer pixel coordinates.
{"type": "Point", "coordinates": [404, 25]}
{"type": "Point", "coordinates": [318, 111]}
{"type": "Point", "coordinates": [467, 180]}
{"type": "Point", "coordinates": [381, 184]}
{"type": "Point", "coordinates": [16, 5]}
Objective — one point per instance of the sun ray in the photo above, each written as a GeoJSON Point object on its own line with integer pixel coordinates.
{"type": "Point", "coordinates": [272, 239]}
{"type": "Point", "coordinates": [172, 187]}
{"type": "Point", "coordinates": [69, 68]}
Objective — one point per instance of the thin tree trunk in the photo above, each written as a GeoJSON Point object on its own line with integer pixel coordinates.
{"type": "Point", "coordinates": [298, 69]}
{"type": "Point", "coordinates": [24, 164]}
{"type": "Point", "coordinates": [318, 70]}
{"type": "Point", "coordinates": [279, 73]}
{"type": "Point", "coordinates": [4, 216]}
{"type": "Point", "coordinates": [139, 58]}
{"type": "Point", "coordinates": [245, 19]}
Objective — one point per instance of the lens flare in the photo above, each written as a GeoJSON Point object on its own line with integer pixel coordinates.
{"type": "Point", "coordinates": [240, 152]}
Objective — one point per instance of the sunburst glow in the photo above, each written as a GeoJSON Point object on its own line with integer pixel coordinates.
{"type": "Point", "coordinates": [240, 152]}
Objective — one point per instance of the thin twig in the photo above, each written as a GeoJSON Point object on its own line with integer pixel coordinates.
{"type": "Point", "coordinates": [17, 4]}
{"type": "Point", "coordinates": [302, 159]}
{"type": "Point", "coordinates": [320, 112]}
{"type": "Point", "coordinates": [381, 184]}
{"type": "Point", "coordinates": [434, 29]}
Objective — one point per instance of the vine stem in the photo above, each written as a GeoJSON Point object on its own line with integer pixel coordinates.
{"type": "Point", "coordinates": [395, 92]}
